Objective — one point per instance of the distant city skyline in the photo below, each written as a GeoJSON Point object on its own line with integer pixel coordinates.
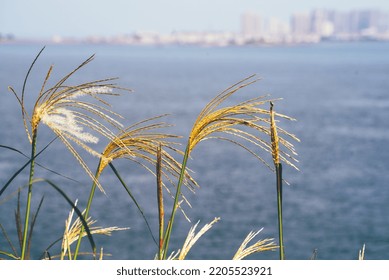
{"type": "Point", "coordinates": [323, 23]}
{"type": "Point", "coordinates": [307, 27]}
{"type": "Point", "coordinates": [44, 19]}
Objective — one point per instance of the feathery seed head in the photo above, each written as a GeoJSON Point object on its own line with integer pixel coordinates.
{"type": "Point", "coordinates": [70, 110]}
{"type": "Point", "coordinates": [140, 143]}
{"type": "Point", "coordinates": [260, 246]}
{"type": "Point", "coordinates": [91, 91]}
{"type": "Point", "coordinates": [274, 137]}
{"type": "Point", "coordinates": [64, 120]}
{"type": "Point", "coordinates": [192, 238]}
{"type": "Point", "coordinates": [232, 123]}
{"type": "Point", "coordinates": [72, 231]}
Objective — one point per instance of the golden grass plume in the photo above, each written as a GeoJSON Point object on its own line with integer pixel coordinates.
{"type": "Point", "coordinates": [140, 143]}
{"type": "Point", "coordinates": [72, 232]}
{"type": "Point", "coordinates": [231, 123]}
{"type": "Point", "coordinates": [75, 113]}
{"type": "Point", "coordinates": [192, 238]}
{"type": "Point", "coordinates": [259, 246]}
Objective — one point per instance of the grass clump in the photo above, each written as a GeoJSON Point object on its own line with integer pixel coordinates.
{"type": "Point", "coordinates": [79, 115]}
{"type": "Point", "coordinates": [230, 122]}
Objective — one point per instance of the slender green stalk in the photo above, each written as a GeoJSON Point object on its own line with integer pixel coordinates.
{"type": "Point", "coordinates": [278, 167]}
{"type": "Point", "coordinates": [279, 208]}
{"type": "Point", "coordinates": [176, 202]}
{"type": "Point", "coordinates": [29, 195]}
{"type": "Point", "coordinates": [88, 206]}
{"type": "Point", "coordinates": [161, 211]}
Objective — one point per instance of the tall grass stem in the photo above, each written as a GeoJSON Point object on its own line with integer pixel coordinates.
{"type": "Point", "coordinates": [29, 195]}
{"type": "Point", "coordinates": [87, 209]}
{"type": "Point", "coordinates": [176, 201]}
{"type": "Point", "coordinates": [279, 209]}
{"type": "Point", "coordinates": [161, 211]}
{"type": "Point", "coordinates": [278, 168]}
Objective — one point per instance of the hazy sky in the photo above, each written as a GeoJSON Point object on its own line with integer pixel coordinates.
{"type": "Point", "coordinates": [46, 18]}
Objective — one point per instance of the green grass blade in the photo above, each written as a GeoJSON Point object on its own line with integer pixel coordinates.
{"type": "Point", "coordinates": [78, 212]}
{"type": "Point", "coordinates": [29, 71]}
{"type": "Point", "coordinates": [134, 200]}
{"type": "Point", "coordinates": [24, 166]}
{"type": "Point", "coordinates": [4, 232]}
{"type": "Point", "coordinates": [38, 164]}
{"type": "Point", "coordinates": [9, 255]}
{"type": "Point", "coordinates": [34, 218]}
{"type": "Point", "coordinates": [46, 251]}
{"type": "Point", "coordinates": [13, 149]}
{"type": "Point", "coordinates": [13, 177]}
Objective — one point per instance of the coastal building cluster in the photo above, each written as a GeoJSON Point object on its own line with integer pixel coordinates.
{"type": "Point", "coordinates": [306, 27]}
{"type": "Point", "coordinates": [309, 27]}
{"type": "Point", "coordinates": [317, 25]}
{"type": "Point", "coordinates": [336, 25]}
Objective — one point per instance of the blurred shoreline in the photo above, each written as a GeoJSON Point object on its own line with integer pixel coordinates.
{"type": "Point", "coordinates": [221, 39]}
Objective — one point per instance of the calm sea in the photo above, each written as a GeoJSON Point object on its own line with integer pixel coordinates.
{"type": "Point", "coordinates": [339, 94]}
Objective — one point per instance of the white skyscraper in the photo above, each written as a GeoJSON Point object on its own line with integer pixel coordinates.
{"type": "Point", "coordinates": [251, 25]}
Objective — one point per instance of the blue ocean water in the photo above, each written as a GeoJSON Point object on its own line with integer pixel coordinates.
{"type": "Point", "coordinates": [338, 92]}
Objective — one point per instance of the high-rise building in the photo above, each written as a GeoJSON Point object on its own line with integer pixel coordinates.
{"type": "Point", "coordinates": [276, 27]}
{"type": "Point", "coordinates": [316, 25]}
{"type": "Point", "coordinates": [251, 25]}
{"type": "Point", "coordinates": [300, 24]}
{"type": "Point", "coordinates": [341, 21]}
{"type": "Point", "coordinates": [321, 23]}
{"type": "Point", "coordinates": [382, 22]}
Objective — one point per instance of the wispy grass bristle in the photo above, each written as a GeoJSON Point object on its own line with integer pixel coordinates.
{"type": "Point", "coordinates": [260, 246]}
{"type": "Point", "coordinates": [62, 109]}
{"type": "Point", "coordinates": [193, 237]}
{"type": "Point", "coordinates": [230, 123]}
{"type": "Point", "coordinates": [361, 254]}
{"type": "Point", "coordinates": [80, 116]}
{"type": "Point", "coordinates": [74, 228]}
{"type": "Point", "coordinates": [140, 143]}
{"type": "Point", "coordinates": [213, 122]}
